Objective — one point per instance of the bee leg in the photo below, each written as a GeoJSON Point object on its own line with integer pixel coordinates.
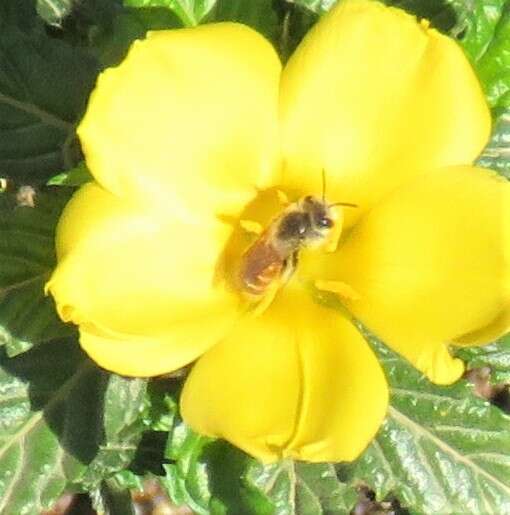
{"type": "Point", "coordinates": [252, 227]}
{"type": "Point", "coordinates": [339, 288]}
{"type": "Point", "coordinates": [289, 267]}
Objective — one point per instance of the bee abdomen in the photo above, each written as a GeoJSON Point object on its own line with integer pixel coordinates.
{"type": "Point", "coordinates": [259, 284]}
{"type": "Point", "coordinates": [260, 267]}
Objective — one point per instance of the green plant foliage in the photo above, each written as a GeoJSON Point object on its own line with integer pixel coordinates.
{"type": "Point", "coordinates": [496, 356]}
{"type": "Point", "coordinates": [211, 476]}
{"type": "Point", "coordinates": [477, 25]}
{"type": "Point", "coordinates": [76, 176]}
{"type": "Point", "coordinates": [112, 497]}
{"type": "Point", "coordinates": [19, 13]}
{"type": "Point", "coordinates": [191, 12]}
{"type": "Point", "coordinates": [186, 480]}
{"type": "Point", "coordinates": [65, 423]}
{"type": "Point", "coordinates": [259, 14]}
{"type": "Point", "coordinates": [316, 6]}
{"type": "Point", "coordinates": [440, 450]}
{"type": "Point", "coordinates": [54, 11]}
{"type": "Point", "coordinates": [112, 41]}
{"type": "Point", "coordinates": [492, 63]}
{"type": "Point", "coordinates": [496, 154]}
{"type": "Point", "coordinates": [44, 84]}
{"type": "Point", "coordinates": [27, 316]}
{"type": "Point", "coordinates": [296, 488]}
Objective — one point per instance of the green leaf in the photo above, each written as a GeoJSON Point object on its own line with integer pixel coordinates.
{"type": "Point", "coordinates": [316, 6]}
{"type": "Point", "coordinates": [123, 400]}
{"type": "Point", "coordinates": [44, 85]}
{"type": "Point", "coordinates": [258, 14]}
{"type": "Point", "coordinates": [476, 24]}
{"type": "Point", "coordinates": [231, 490]}
{"type": "Point", "coordinates": [493, 66]}
{"type": "Point", "coordinates": [297, 488]}
{"type": "Point", "coordinates": [440, 450]}
{"type": "Point", "coordinates": [186, 480]}
{"type": "Point", "coordinates": [127, 480]}
{"type": "Point", "coordinates": [77, 176]}
{"type": "Point", "coordinates": [54, 11]}
{"type": "Point", "coordinates": [211, 476]}
{"type": "Point", "coordinates": [161, 413]}
{"type": "Point", "coordinates": [496, 155]}
{"type": "Point", "coordinates": [112, 498]}
{"type": "Point", "coordinates": [487, 41]}
{"type": "Point", "coordinates": [27, 316]}
{"type": "Point", "coordinates": [65, 423]}
{"type": "Point", "coordinates": [19, 13]}
{"type": "Point", "coordinates": [191, 12]}
{"type": "Point", "coordinates": [496, 356]}
{"type": "Point", "coordinates": [111, 42]}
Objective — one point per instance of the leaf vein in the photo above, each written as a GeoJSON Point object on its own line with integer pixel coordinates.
{"type": "Point", "coordinates": [420, 430]}
{"type": "Point", "coordinates": [38, 415]}
{"type": "Point", "coordinates": [53, 7]}
{"type": "Point", "coordinates": [427, 396]}
{"type": "Point", "coordinates": [422, 455]}
{"type": "Point", "coordinates": [21, 284]}
{"type": "Point", "coordinates": [385, 461]}
{"type": "Point", "coordinates": [467, 430]}
{"type": "Point", "coordinates": [44, 116]}
{"type": "Point", "coordinates": [14, 479]}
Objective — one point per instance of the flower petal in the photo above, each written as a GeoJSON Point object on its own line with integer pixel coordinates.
{"type": "Point", "coordinates": [126, 275]}
{"type": "Point", "coordinates": [145, 356]}
{"type": "Point", "coordinates": [188, 119]}
{"type": "Point", "coordinates": [299, 381]}
{"type": "Point", "coordinates": [368, 87]}
{"type": "Point", "coordinates": [431, 266]}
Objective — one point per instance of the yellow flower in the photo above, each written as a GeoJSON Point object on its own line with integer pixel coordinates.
{"type": "Point", "coordinates": [195, 132]}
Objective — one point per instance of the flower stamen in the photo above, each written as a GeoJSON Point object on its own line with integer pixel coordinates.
{"type": "Point", "coordinates": [338, 288]}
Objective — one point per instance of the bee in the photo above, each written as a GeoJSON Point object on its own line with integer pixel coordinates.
{"type": "Point", "coordinates": [273, 257]}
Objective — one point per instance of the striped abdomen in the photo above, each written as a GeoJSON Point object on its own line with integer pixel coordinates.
{"type": "Point", "coordinates": [261, 265]}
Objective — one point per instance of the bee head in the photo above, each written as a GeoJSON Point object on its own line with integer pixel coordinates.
{"type": "Point", "coordinates": [319, 214]}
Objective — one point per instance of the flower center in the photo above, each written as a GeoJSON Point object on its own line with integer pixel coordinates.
{"type": "Point", "coordinates": [265, 250]}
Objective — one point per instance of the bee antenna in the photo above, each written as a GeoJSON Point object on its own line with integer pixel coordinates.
{"type": "Point", "coordinates": [346, 204]}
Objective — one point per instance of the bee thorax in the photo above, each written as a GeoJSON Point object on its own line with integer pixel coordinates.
{"type": "Point", "coordinates": [272, 258]}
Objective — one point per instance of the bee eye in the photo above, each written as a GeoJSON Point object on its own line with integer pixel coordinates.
{"type": "Point", "coordinates": [325, 222]}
